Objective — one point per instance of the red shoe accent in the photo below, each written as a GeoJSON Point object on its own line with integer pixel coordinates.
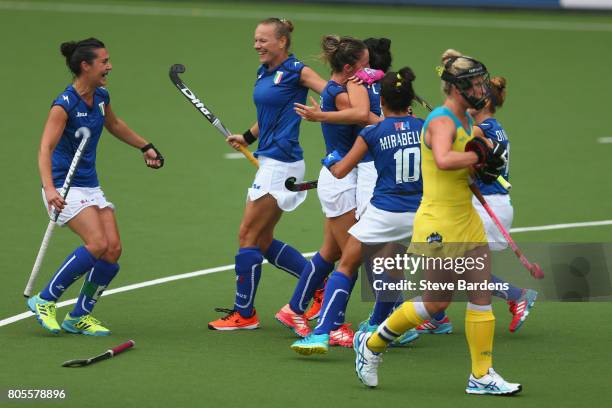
{"type": "Point", "coordinates": [233, 321]}
{"type": "Point", "coordinates": [342, 336]}
{"type": "Point", "coordinates": [315, 309]}
{"type": "Point", "coordinates": [293, 321]}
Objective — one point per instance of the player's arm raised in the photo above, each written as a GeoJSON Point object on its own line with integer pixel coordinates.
{"type": "Point", "coordinates": [118, 128]}
{"type": "Point", "coordinates": [352, 158]}
{"type": "Point", "coordinates": [54, 127]}
{"type": "Point", "coordinates": [439, 137]}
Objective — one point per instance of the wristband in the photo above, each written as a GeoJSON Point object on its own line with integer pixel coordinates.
{"type": "Point", "coordinates": [249, 137]}
{"type": "Point", "coordinates": [147, 147]}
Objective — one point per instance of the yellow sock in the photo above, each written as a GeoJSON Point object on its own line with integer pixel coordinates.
{"type": "Point", "coordinates": [402, 319]}
{"type": "Point", "coordinates": [479, 330]}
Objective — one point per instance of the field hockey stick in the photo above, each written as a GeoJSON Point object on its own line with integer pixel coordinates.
{"type": "Point", "coordinates": [85, 133]}
{"type": "Point", "coordinates": [291, 185]}
{"type": "Point", "coordinates": [177, 69]}
{"type": "Point", "coordinates": [104, 356]}
{"type": "Point", "coordinates": [502, 181]}
{"type": "Point", "coordinates": [533, 268]}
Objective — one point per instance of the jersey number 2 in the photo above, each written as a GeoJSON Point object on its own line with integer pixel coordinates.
{"type": "Point", "coordinates": [407, 165]}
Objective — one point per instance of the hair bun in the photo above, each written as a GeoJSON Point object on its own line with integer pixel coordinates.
{"type": "Point", "coordinates": [407, 74]}
{"type": "Point", "coordinates": [68, 48]}
{"type": "Point", "coordinates": [450, 53]}
{"type": "Point", "coordinates": [384, 44]}
{"type": "Point", "coordinates": [288, 24]}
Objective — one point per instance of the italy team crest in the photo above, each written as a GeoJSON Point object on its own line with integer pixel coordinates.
{"type": "Point", "coordinates": [278, 77]}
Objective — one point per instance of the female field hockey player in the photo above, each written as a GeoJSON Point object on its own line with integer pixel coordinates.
{"type": "Point", "coordinates": [520, 301]}
{"type": "Point", "coordinates": [282, 80]}
{"type": "Point", "coordinates": [380, 58]}
{"type": "Point", "coordinates": [86, 211]}
{"type": "Point", "coordinates": [394, 146]}
{"type": "Point", "coordinates": [448, 226]}
{"type": "Point", "coordinates": [346, 56]}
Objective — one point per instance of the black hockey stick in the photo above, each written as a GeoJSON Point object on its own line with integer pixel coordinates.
{"type": "Point", "coordinates": [104, 356]}
{"type": "Point", "coordinates": [291, 185]}
{"type": "Point", "coordinates": [177, 69]}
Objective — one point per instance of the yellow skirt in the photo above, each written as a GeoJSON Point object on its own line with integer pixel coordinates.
{"type": "Point", "coordinates": [446, 231]}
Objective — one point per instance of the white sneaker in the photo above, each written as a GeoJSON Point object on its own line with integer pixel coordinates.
{"type": "Point", "coordinates": [491, 383]}
{"type": "Point", "coordinates": [366, 361]}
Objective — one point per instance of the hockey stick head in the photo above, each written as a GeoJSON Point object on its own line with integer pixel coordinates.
{"type": "Point", "coordinates": [76, 363]}
{"type": "Point", "coordinates": [177, 69]}
{"type": "Point", "coordinates": [290, 184]}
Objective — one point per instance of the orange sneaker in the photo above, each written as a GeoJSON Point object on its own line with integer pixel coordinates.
{"type": "Point", "coordinates": [293, 321]}
{"type": "Point", "coordinates": [315, 308]}
{"type": "Point", "coordinates": [342, 336]}
{"type": "Point", "coordinates": [233, 321]}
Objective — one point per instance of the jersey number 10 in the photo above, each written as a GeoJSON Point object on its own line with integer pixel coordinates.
{"type": "Point", "coordinates": [407, 165]}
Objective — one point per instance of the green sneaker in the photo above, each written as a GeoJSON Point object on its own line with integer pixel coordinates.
{"type": "Point", "coordinates": [44, 310]}
{"type": "Point", "coordinates": [87, 325]}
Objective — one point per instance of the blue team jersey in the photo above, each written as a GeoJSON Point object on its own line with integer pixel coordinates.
{"type": "Point", "coordinates": [79, 115]}
{"type": "Point", "coordinates": [337, 137]}
{"type": "Point", "coordinates": [494, 131]}
{"type": "Point", "coordinates": [375, 108]}
{"type": "Point", "coordinates": [275, 93]}
{"type": "Point", "coordinates": [395, 144]}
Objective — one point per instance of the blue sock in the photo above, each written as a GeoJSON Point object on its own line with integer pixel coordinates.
{"type": "Point", "coordinates": [513, 293]}
{"type": "Point", "coordinates": [311, 278]}
{"type": "Point", "coordinates": [334, 303]}
{"type": "Point", "coordinates": [386, 301]}
{"type": "Point", "coordinates": [96, 281]}
{"type": "Point", "coordinates": [74, 266]}
{"type": "Point", "coordinates": [438, 317]}
{"type": "Point", "coordinates": [381, 312]}
{"type": "Point", "coordinates": [285, 257]}
{"type": "Point", "coordinates": [248, 272]}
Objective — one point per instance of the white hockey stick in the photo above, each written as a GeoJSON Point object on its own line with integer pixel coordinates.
{"type": "Point", "coordinates": [85, 133]}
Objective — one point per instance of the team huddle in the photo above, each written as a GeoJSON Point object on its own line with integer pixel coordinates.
{"type": "Point", "coordinates": [391, 183]}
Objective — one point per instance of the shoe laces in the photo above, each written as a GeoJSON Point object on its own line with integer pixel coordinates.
{"type": "Point", "coordinates": [345, 330]}
{"type": "Point", "coordinates": [91, 320]}
{"type": "Point", "coordinates": [230, 312]}
{"type": "Point", "coordinates": [48, 308]}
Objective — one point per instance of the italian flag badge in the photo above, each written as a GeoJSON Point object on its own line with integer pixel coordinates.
{"type": "Point", "coordinates": [278, 77]}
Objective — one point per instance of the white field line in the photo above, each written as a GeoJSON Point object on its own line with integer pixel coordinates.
{"type": "Point", "coordinates": [202, 12]}
{"type": "Point", "coordinates": [607, 139]}
{"type": "Point", "coordinates": [208, 271]}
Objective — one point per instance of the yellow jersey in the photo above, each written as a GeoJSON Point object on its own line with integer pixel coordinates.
{"type": "Point", "coordinates": [446, 214]}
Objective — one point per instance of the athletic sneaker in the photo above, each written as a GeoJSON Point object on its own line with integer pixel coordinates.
{"type": "Point", "coordinates": [342, 336]}
{"type": "Point", "coordinates": [44, 310]}
{"type": "Point", "coordinates": [521, 308]}
{"type": "Point", "coordinates": [233, 321]}
{"type": "Point", "coordinates": [434, 327]}
{"type": "Point", "coordinates": [408, 337]}
{"type": "Point", "coordinates": [86, 324]}
{"type": "Point", "coordinates": [366, 361]}
{"type": "Point", "coordinates": [315, 309]}
{"type": "Point", "coordinates": [312, 344]}
{"type": "Point", "coordinates": [293, 321]}
{"type": "Point", "coordinates": [365, 326]}
{"type": "Point", "coordinates": [491, 384]}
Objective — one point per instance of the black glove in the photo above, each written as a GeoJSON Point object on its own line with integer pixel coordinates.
{"type": "Point", "coordinates": [157, 157]}
{"type": "Point", "coordinates": [481, 148]}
